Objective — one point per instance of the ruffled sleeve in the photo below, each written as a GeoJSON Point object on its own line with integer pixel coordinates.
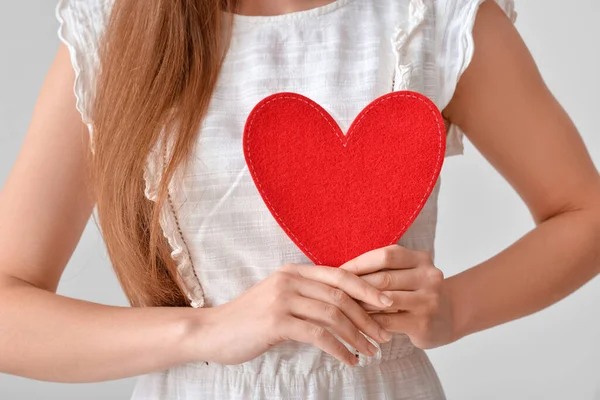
{"type": "Point", "coordinates": [81, 24]}
{"type": "Point", "coordinates": [454, 24]}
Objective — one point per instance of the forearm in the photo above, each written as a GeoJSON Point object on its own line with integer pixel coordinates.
{"type": "Point", "coordinates": [547, 264]}
{"type": "Point", "coordinates": [49, 337]}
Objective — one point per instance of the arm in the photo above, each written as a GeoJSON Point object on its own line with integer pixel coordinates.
{"type": "Point", "coordinates": [508, 113]}
{"type": "Point", "coordinates": [510, 116]}
{"type": "Point", "coordinates": [43, 209]}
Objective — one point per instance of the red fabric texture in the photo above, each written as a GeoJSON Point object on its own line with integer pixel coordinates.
{"type": "Point", "coordinates": [338, 196]}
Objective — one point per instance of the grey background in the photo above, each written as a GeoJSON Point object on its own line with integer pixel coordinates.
{"type": "Point", "coordinates": [553, 355]}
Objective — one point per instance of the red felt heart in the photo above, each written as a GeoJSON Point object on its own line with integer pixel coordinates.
{"type": "Point", "coordinates": [340, 196]}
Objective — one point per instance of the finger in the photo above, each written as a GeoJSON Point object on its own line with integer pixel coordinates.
{"type": "Point", "coordinates": [329, 315]}
{"type": "Point", "coordinates": [389, 257]}
{"type": "Point", "coordinates": [307, 332]}
{"type": "Point", "coordinates": [350, 307]}
{"type": "Point", "coordinates": [353, 285]}
{"type": "Point", "coordinates": [400, 322]}
{"type": "Point", "coordinates": [405, 279]}
{"type": "Point", "coordinates": [403, 301]}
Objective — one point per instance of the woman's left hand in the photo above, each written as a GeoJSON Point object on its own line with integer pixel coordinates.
{"type": "Point", "coordinates": [421, 309]}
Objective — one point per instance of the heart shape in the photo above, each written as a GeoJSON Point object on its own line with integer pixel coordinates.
{"type": "Point", "coordinates": [338, 196]}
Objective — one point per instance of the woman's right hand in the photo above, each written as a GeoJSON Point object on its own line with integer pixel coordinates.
{"type": "Point", "coordinates": [297, 302]}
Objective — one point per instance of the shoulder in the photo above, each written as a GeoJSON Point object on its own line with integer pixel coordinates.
{"type": "Point", "coordinates": [454, 22]}
{"type": "Point", "coordinates": [453, 51]}
{"type": "Point", "coordinates": [455, 8]}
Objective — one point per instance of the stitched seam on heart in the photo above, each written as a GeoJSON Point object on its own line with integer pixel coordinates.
{"type": "Point", "coordinates": [352, 129]}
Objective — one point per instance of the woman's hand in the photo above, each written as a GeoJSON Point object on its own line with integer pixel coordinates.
{"type": "Point", "coordinates": [421, 308]}
{"type": "Point", "coordinates": [297, 302]}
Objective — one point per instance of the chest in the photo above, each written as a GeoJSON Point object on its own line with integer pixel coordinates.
{"type": "Point", "coordinates": [343, 62]}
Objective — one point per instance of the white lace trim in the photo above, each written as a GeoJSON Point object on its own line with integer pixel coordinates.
{"type": "Point", "coordinates": [171, 230]}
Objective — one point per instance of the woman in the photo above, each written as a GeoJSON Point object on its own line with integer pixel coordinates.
{"type": "Point", "coordinates": [184, 224]}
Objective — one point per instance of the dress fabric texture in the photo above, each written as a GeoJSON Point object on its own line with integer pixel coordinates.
{"type": "Point", "coordinates": [343, 56]}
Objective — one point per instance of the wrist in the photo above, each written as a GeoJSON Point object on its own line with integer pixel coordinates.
{"type": "Point", "coordinates": [198, 323]}
{"type": "Point", "coordinates": [459, 310]}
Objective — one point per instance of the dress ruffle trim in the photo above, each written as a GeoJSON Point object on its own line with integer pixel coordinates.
{"type": "Point", "coordinates": [78, 62]}
{"type": "Point", "coordinates": [400, 40]}
{"type": "Point", "coordinates": [172, 231]}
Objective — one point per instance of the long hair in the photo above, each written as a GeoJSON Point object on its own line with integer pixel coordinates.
{"type": "Point", "coordinates": [159, 63]}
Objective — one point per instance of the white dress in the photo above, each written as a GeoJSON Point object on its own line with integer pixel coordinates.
{"type": "Point", "coordinates": [343, 56]}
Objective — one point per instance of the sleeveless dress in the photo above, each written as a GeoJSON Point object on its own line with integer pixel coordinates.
{"type": "Point", "coordinates": [224, 239]}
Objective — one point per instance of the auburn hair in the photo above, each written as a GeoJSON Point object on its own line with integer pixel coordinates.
{"type": "Point", "coordinates": [159, 64]}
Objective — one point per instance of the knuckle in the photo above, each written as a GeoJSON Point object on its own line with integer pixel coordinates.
{"type": "Point", "coordinates": [385, 280]}
{"type": "Point", "coordinates": [365, 289]}
{"type": "Point", "coordinates": [340, 275]}
{"type": "Point", "coordinates": [289, 267]}
{"type": "Point", "coordinates": [434, 276]}
{"type": "Point", "coordinates": [338, 296]}
{"type": "Point", "coordinates": [281, 279]}
{"type": "Point", "coordinates": [332, 313]}
{"type": "Point", "coordinates": [352, 266]}
{"type": "Point", "coordinates": [387, 256]}
{"type": "Point", "coordinates": [317, 332]}
{"type": "Point", "coordinates": [281, 285]}
{"type": "Point", "coordinates": [385, 321]}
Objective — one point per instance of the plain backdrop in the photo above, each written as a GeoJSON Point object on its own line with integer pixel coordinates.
{"type": "Point", "coordinates": [552, 355]}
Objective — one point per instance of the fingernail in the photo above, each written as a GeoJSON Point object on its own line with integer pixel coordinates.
{"type": "Point", "coordinates": [385, 300]}
{"type": "Point", "coordinates": [385, 335]}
